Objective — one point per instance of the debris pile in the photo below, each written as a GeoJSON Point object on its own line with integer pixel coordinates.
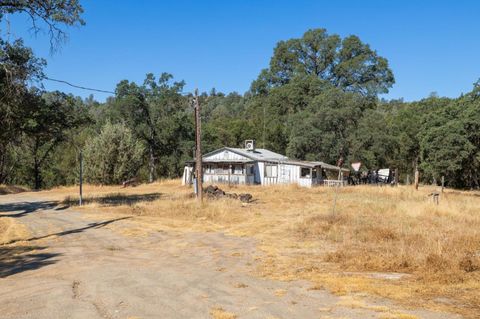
{"type": "Point", "coordinates": [214, 192]}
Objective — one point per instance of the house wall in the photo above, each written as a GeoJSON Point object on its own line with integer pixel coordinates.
{"type": "Point", "coordinates": [234, 174]}
{"type": "Point", "coordinates": [285, 174]}
{"type": "Point", "coordinates": [223, 179]}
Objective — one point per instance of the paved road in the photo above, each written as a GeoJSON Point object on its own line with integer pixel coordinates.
{"type": "Point", "coordinates": [77, 267]}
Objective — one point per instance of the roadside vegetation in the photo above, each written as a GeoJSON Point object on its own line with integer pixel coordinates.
{"type": "Point", "coordinates": [12, 189]}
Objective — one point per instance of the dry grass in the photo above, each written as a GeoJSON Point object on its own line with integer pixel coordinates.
{"type": "Point", "coordinates": [375, 230]}
{"type": "Point", "coordinates": [12, 189]}
{"type": "Point", "coordinates": [11, 231]}
{"type": "Point", "coordinates": [220, 313]}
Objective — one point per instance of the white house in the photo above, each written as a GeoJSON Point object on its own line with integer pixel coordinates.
{"type": "Point", "coordinates": [250, 165]}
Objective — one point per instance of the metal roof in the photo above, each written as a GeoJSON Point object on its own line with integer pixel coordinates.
{"type": "Point", "coordinates": [238, 161]}
{"type": "Point", "coordinates": [258, 154]}
{"type": "Point", "coordinates": [330, 166]}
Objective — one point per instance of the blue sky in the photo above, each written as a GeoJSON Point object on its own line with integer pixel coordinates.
{"type": "Point", "coordinates": [432, 46]}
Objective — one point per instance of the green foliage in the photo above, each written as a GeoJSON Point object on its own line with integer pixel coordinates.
{"type": "Point", "coordinates": [317, 100]}
{"type": "Point", "coordinates": [158, 115]}
{"type": "Point", "coordinates": [51, 14]}
{"type": "Point", "coordinates": [347, 63]}
{"type": "Point", "coordinates": [450, 142]}
{"type": "Point", "coordinates": [18, 66]}
{"type": "Point", "coordinates": [113, 156]}
{"type": "Point", "coordinates": [322, 130]}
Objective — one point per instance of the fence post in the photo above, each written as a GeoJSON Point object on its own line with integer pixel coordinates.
{"type": "Point", "coordinates": [443, 183]}
{"type": "Point", "coordinates": [80, 199]}
{"type": "Point", "coordinates": [416, 179]}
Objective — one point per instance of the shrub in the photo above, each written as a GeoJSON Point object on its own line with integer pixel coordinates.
{"type": "Point", "coordinates": [113, 156]}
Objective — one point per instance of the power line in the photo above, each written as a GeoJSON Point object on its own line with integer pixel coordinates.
{"type": "Point", "coordinates": [96, 90]}
{"type": "Point", "coordinates": [78, 86]}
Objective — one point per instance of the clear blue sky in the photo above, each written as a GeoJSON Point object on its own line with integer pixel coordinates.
{"type": "Point", "coordinates": [431, 45]}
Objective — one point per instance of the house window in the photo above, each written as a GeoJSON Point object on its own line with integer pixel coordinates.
{"type": "Point", "coordinates": [237, 169]}
{"type": "Point", "coordinates": [305, 172]}
{"type": "Point", "coordinates": [222, 169]}
{"type": "Point", "coordinates": [270, 170]}
{"type": "Point", "coordinates": [208, 169]}
{"type": "Point", "coordinates": [250, 170]}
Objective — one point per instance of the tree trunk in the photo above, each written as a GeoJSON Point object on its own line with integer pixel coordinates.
{"type": "Point", "coordinates": [37, 175]}
{"type": "Point", "coordinates": [151, 166]}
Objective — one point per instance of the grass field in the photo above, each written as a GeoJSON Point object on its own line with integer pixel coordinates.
{"type": "Point", "coordinates": [381, 241]}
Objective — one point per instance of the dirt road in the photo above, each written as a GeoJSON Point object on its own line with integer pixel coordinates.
{"type": "Point", "coordinates": [77, 267]}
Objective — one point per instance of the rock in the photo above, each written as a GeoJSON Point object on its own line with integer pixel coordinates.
{"type": "Point", "coordinates": [219, 193]}
{"type": "Point", "coordinates": [245, 198]}
{"type": "Point", "coordinates": [211, 189]}
{"type": "Point", "coordinates": [232, 195]}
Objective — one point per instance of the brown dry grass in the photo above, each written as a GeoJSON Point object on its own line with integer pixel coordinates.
{"type": "Point", "coordinates": [220, 313]}
{"type": "Point", "coordinates": [11, 189]}
{"type": "Point", "coordinates": [11, 231]}
{"type": "Point", "coordinates": [374, 230]}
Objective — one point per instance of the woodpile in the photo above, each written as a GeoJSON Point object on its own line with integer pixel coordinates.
{"type": "Point", "coordinates": [214, 192]}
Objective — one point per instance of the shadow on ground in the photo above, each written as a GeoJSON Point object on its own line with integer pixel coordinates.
{"type": "Point", "coordinates": [115, 199]}
{"type": "Point", "coordinates": [71, 231]}
{"type": "Point", "coordinates": [24, 208]}
{"type": "Point", "coordinates": [14, 260]}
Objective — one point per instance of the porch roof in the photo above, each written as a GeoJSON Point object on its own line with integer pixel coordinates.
{"type": "Point", "coordinates": [222, 161]}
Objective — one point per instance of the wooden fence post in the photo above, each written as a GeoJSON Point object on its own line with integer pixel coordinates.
{"type": "Point", "coordinates": [80, 198]}
{"type": "Point", "coordinates": [416, 179]}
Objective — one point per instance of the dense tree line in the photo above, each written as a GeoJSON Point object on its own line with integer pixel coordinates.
{"type": "Point", "coordinates": [317, 100]}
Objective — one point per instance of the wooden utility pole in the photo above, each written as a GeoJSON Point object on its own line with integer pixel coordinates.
{"type": "Point", "coordinates": [198, 149]}
{"type": "Point", "coordinates": [80, 198]}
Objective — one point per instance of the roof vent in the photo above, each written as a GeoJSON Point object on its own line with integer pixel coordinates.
{"type": "Point", "coordinates": [250, 145]}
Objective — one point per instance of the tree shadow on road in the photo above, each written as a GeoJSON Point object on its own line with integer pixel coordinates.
{"type": "Point", "coordinates": [113, 199]}
{"type": "Point", "coordinates": [24, 208]}
{"type": "Point", "coordinates": [18, 259]}
{"type": "Point", "coordinates": [71, 231]}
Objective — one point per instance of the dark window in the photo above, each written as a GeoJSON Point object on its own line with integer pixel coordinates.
{"type": "Point", "coordinates": [305, 172]}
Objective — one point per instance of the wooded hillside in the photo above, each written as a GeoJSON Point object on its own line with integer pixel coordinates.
{"type": "Point", "coordinates": [318, 99]}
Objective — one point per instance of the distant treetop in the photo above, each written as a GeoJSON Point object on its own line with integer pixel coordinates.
{"type": "Point", "coordinates": [346, 63]}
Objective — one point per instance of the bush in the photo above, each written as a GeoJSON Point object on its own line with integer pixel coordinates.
{"type": "Point", "coordinates": [113, 156]}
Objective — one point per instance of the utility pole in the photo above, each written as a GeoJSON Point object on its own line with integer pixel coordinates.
{"type": "Point", "coordinates": [80, 199]}
{"type": "Point", "coordinates": [198, 149]}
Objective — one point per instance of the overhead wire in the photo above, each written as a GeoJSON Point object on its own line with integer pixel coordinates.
{"type": "Point", "coordinates": [93, 89]}
{"type": "Point", "coordinates": [78, 86]}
